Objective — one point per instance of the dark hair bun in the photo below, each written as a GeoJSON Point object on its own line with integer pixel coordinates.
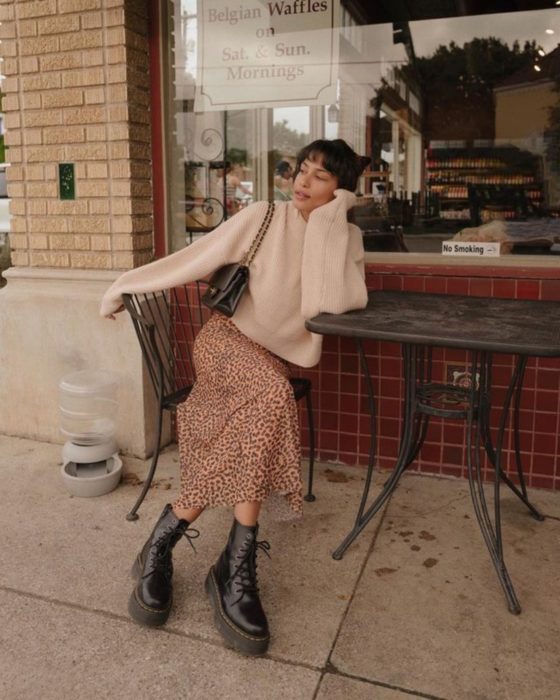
{"type": "Point", "coordinates": [363, 162]}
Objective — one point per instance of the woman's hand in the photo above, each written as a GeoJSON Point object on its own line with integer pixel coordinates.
{"type": "Point", "coordinates": [113, 316]}
{"type": "Point", "coordinates": [345, 197]}
{"type": "Point", "coordinates": [343, 201]}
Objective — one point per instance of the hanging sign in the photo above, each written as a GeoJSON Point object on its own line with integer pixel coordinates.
{"type": "Point", "coordinates": [266, 54]}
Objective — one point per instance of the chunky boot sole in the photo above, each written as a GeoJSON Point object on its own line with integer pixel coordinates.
{"type": "Point", "coordinates": [234, 636]}
{"type": "Point", "coordinates": [139, 611]}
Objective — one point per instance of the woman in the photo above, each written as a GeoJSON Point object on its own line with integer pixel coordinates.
{"type": "Point", "coordinates": [233, 184]}
{"type": "Point", "coordinates": [283, 186]}
{"type": "Point", "coordinates": [238, 430]}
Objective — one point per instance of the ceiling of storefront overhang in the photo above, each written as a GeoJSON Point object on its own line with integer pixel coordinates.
{"type": "Point", "coordinates": [380, 11]}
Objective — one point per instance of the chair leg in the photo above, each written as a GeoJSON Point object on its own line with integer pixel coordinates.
{"type": "Point", "coordinates": [133, 515]}
{"type": "Point", "coordinates": [311, 427]}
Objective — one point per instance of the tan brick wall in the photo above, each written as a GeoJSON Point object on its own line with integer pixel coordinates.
{"type": "Point", "coordinates": [77, 91]}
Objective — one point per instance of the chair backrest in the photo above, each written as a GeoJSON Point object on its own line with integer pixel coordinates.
{"type": "Point", "coordinates": [166, 325]}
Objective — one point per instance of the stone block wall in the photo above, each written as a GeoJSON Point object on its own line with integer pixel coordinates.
{"type": "Point", "coordinates": [77, 91]}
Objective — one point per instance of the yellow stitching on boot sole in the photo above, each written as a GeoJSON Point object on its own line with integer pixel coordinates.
{"type": "Point", "coordinates": [147, 608]}
{"type": "Point", "coordinates": [226, 618]}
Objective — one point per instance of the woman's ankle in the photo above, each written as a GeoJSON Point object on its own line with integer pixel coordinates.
{"type": "Point", "coordinates": [188, 514]}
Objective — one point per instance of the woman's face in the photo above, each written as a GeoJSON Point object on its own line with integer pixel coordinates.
{"type": "Point", "coordinates": [313, 186]}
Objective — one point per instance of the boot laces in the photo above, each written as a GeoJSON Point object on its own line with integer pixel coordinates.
{"type": "Point", "coordinates": [161, 560]}
{"type": "Point", "coordinates": [245, 574]}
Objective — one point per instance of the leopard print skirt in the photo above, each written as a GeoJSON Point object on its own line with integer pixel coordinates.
{"type": "Point", "coordinates": [238, 430]}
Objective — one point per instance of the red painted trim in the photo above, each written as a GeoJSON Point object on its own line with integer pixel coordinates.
{"type": "Point", "coordinates": [156, 107]}
{"type": "Point", "coordinates": [542, 273]}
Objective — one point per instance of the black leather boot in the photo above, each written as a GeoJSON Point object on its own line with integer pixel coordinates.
{"type": "Point", "coordinates": [150, 601]}
{"type": "Point", "coordinates": [231, 585]}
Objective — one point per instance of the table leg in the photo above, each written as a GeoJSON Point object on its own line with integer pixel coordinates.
{"type": "Point", "coordinates": [516, 386]}
{"type": "Point", "coordinates": [417, 374]}
{"type": "Point", "coordinates": [491, 531]}
{"type": "Point", "coordinates": [409, 444]}
{"type": "Point", "coordinates": [423, 357]}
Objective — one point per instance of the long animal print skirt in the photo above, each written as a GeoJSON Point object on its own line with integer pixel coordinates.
{"type": "Point", "coordinates": [238, 430]}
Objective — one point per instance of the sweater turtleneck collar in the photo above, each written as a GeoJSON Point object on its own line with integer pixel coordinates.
{"type": "Point", "coordinates": [295, 215]}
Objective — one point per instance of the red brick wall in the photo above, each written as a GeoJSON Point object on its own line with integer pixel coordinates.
{"type": "Point", "coordinates": [340, 401]}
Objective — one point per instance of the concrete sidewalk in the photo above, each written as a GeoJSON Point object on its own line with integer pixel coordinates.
{"type": "Point", "coordinates": [413, 609]}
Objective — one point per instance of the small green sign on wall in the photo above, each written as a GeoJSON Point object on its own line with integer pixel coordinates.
{"type": "Point", "coordinates": [66, 181]}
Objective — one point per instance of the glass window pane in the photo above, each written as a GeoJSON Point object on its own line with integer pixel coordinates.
{"type": "Point", "coordinates": [290, 133]}
{"type": "Point", "coordinates": [460, 116]}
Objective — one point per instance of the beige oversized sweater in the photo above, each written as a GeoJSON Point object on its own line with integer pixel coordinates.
{"type": "Point", "coordinates": [301, 269]}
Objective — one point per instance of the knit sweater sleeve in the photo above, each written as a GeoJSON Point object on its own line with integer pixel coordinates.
{"type": "Point", "coordinates": [333, 275]}
{"type": "Point", "coordinates": [225, 244]}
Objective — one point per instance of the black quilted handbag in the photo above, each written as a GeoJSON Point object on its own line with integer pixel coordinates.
{"type": "Point", "coordinates": [227, 284]}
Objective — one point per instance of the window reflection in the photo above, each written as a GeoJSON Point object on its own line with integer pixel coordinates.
{"type": "Point", "coordinates": [290, 133]}
{"type": "Point", "coordinates": [460, 116]}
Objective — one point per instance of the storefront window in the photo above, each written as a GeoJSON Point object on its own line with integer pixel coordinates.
{"type": "Point", "coordinates": [460, 115]}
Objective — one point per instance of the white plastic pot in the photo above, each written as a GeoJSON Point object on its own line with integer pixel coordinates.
{"type": "Point", "coordinates": [92, 479]}
{"type": "Point", "coordinates": [88, 454]}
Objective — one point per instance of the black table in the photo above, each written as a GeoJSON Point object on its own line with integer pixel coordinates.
{"type": "Point", "coordinates": [420, 322]}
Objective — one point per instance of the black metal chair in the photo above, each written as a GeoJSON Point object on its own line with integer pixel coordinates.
{"type": "Point", "coordinates": [166, 324]}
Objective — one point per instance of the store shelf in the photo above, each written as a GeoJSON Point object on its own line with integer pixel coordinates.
{"type": "Point", "coordinates": [496, 183]}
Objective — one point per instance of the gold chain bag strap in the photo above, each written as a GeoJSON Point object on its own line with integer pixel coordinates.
{"type": "Point", "coordinates": [228, 283]}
